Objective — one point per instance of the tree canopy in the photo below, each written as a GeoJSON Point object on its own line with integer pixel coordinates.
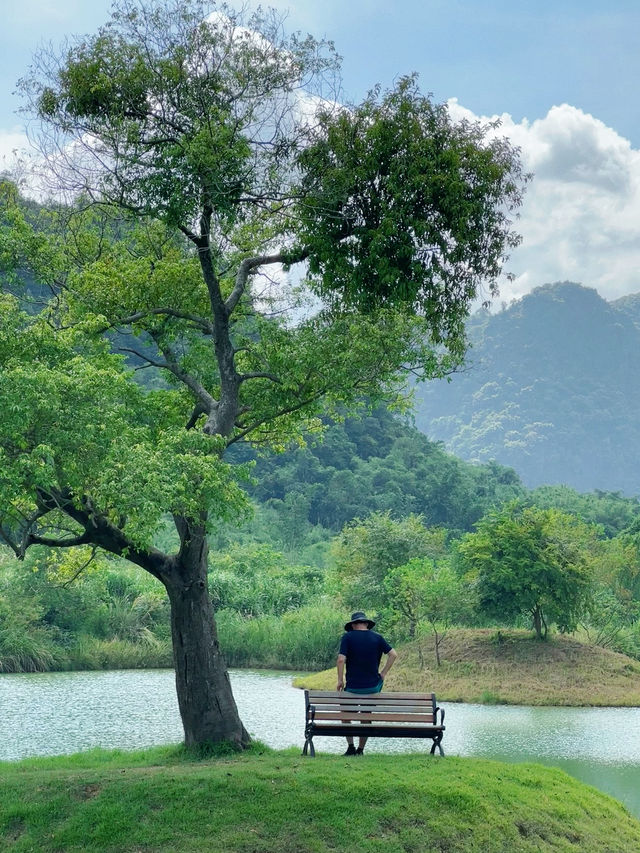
{"type": "Point", "coordinates": [194, 154]}
{"type": "Point", "coordinates": [368, 549]}
{"type": "Point", "coordinates": [525, 560]}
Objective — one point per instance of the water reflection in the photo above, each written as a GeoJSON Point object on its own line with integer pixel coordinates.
{"type": "Point", "coordinates": [55, 713]}
{"type": "Point", "coordinates": [608, 735]}
{"type": "Point", "coordinates": [63, 712]}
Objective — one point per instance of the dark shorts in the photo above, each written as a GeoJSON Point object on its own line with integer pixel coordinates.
{"type": "Point", "coordinates": [363, 691]}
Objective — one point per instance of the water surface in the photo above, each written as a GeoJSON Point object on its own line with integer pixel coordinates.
{"type": "Point", "coordinates": [66, 712]}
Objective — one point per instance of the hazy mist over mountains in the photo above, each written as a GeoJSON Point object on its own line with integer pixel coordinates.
{"type": "Point", "coordinates": [551, 387]}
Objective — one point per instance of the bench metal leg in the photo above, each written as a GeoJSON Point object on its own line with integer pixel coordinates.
{"type": "Point", "coordinates": [437, 743]}
{"type": "Point", "coordinates": [308, 745]}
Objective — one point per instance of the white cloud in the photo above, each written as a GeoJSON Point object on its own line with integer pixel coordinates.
{"type": "Point", "coordinates": [581, 215]}
{"type": "Point", "coordinates": [12, 142]}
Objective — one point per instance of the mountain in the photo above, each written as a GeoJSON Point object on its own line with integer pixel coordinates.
{"type": "Point", "coordinates": [551, 388]}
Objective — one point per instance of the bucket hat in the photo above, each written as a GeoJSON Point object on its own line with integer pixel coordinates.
{"type": "Point", "coordinates": [358, 616]}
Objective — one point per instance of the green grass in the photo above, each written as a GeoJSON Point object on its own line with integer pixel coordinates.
{"type": "Point", "coordinates": [301, 639]}
{"type": "Point", "coordinates": [87, 654]}
{"type": "Point", "coordinates": [510, 667]}
{"type": "Point", "coordinates": [21, 651]}
{"type": "Point", "coordinates": [90, 653]}
{"type": "Point", "coordinates": [165, 800]}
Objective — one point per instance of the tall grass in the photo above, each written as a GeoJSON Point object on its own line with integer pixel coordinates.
{"type": "Point", "coordinates": [26, 645]}
{"type": "Point", "coordinates": [22, 651]}
{"type": "Point", "coordinates": [627, 641]}
{"type": "Point", "coordinates": [91, 653]}
{"type": "Point", "coordinates": [27, 653]}
{"type": "Point", "coordinates": [301, 639]}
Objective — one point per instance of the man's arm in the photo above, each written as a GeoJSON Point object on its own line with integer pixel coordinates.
{"type": "Point", "coordinates": [340, 664]}
{"type": "Point", "coordinates": [392, 654]}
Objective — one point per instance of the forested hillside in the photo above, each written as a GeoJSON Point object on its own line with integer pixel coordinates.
{"type": "Point", "coordinates": [551, 388]}
{"type": "Point", "coordinates": [377, 464]}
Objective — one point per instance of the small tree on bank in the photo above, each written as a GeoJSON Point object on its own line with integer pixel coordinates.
{"type": "Point", "coordinates": [201, 152]}
{"type": "Point", "coordinates": [525, 560]}
{"type": "Point", "coordinates": [425, 590]}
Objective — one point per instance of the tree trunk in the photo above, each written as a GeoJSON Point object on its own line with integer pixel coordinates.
{"type": "Point", "coordinates": [539, 622]}
{"type": "Point", "coordinates": [207, 707]}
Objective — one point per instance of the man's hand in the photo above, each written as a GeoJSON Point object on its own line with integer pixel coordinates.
{"type": "Point", "coordinates": [340, 666]}
{"type": "Point", "coordinates": [391, 656]}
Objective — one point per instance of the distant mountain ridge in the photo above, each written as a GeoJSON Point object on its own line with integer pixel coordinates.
{"type": "Point", "coordinates": [551, 388]}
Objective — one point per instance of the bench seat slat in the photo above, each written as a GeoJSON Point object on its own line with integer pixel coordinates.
{"type": "Point", "coordinates": [345, 696]}
{"type": "Point", "coordinates": [343, 728]}
{"type": "Point", "coordinates": [379, 731]}
{"type": "Point", "coordinates": [402, 703]}
{"type": "Point", "coordinates": [397, 718]}
{"type": "Point", "coordinates": [374, 708]}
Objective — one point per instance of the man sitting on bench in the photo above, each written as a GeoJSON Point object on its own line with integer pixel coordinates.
{"type": "Point", "coordinates": [361, 649]}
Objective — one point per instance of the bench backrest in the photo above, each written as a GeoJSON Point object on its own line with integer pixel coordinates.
{"type": "Point", "coordinates": [384, 708]}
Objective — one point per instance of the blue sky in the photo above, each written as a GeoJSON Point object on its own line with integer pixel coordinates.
{"type": "Point", "coordinates": [563, 74]}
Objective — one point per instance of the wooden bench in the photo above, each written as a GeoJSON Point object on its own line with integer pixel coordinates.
{"type": "Point", "coordinates": [337, 714]}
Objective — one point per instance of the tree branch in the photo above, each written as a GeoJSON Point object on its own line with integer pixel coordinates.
{"type": "Point", "coordinates": [190, 235]}
{"type": "Point", "coordinates": [245, 376]}
{"type": "Point", "coordinates": [171, 364]}
{"type": "Point", "coordinates": [286, 411]}
{"type": "Point", "coordinates": [100, 532]}
{"type": "Point", "coordinates": [54, 542]}
{"type": "Point", "coordinates": [22, 536]}
{"type": "Point", "coordinates": [245, 269]}
{"type": "Point", "coordinates": [6, 538]}
{"type": "Point", "coordinates": [150, 361]}
{"type": "Point", "coordinates": [81, 569]}
{"type": "Point", "coordinates": [199, 322]}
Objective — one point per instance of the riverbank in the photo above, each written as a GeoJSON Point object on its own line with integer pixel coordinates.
{"type": "Point", "coordinates": [262, 800]}
{"type": "Point", "coordinates": [510, 667]}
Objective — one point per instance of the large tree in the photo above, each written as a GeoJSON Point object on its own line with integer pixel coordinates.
{"type": "Point", "coordinates": [195, 151]}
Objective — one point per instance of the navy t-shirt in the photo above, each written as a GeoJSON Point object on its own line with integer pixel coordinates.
{"type": "Point", "coordinates": [363, 650]}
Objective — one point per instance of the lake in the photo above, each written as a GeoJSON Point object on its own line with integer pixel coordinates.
{"type": "Point", "coordinates": [66, 712]}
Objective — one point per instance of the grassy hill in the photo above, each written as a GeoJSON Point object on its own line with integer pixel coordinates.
{"type": "Point", "coordinates": [262, 801]}
{"type": "Point", "coordinates": [510, 667]}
